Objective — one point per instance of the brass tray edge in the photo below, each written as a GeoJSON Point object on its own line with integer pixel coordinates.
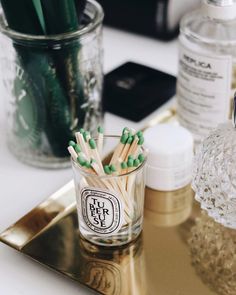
{"type": "Point", "coordinates": [47, 213]}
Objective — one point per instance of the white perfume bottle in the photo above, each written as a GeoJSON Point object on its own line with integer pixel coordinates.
{"type": "Point", "coordinates": [207, 66]}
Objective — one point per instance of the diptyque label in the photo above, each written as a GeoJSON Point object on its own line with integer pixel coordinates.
{"type": "Point", "coordinates": [101, 210]}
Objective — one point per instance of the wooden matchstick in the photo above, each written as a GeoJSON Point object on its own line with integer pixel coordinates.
{"type": "Point", "coordinates": [80, 140]}
{"type": "Point", "coordinates": [126, 148]}
{"type": "Point", "coordinates": [100, 140]}
{"type": "Point", "coordinates": [95, 154]}
{"type": "Point", "coordinates": [81, 131]}
{"type": "Point", "coordinates": [72, 152]}
{"type": "Point", "coordinates": [132, 148]}
{"type": "Point", "coordinates": [119, 148]}
{"type": "Point", "coordinates": [135, 147]}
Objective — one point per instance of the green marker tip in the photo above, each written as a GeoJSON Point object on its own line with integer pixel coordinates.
{"type": "Point", "coordinates": [100, 130]}
{"type": "Point", "coordinates": [77, 148]}
{"type": "Point", "coordinates": [112, 168]}
{"type": "Point", "coordinates": [130, 139]}
{"type": "Point", "coordinates": [141, 157]}
{"type": "Point", "coordinates": [139, 134]}
{"type": "Point", "coordinates": [72, 143]}
{"type": "Point", "coordinates": [87, 165]}
{"type": "Point", "coordinates": [92, 143]}
{"type": "Point", "coordinates": [124, 138]}
{"type": "Point", "coordinates": [123, 165]}
{"type": "Point", "coordinates": [141, 140]}
{"type": "Point", "coordinates": [136, 162]}
{"type": "Point", "coordinates": [81, 130]}
{"type": "Point", "coordinates": [85, 135]}
{"type": "Point", "coordinates": [107, 169]}
{"type": "Point", "coordinates": [81, 160]}
{"type": "Point", "coordinates": [125, 130]}
{"type": "Point", "coordinates": [130, 163]}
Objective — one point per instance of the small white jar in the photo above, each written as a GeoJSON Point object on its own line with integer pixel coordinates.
{"type": "Point", "coordinates": [169, 164]}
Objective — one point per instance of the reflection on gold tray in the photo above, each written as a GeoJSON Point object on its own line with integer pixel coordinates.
{"type": "Point", "coordinates": [158, 262]}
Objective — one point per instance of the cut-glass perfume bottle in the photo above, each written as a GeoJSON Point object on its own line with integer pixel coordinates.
{"type": "Point", "coordinates": [213, 255]}
{"type": "Point", "coordinates": [214, 179]}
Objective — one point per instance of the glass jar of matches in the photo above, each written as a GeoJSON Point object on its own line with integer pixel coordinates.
{"type": "Point", "coordinates": [110, 190]}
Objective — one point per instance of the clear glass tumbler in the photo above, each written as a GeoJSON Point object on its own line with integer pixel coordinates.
{"type": "Point", "coordinates": [110, 207]}
{"type": "Point", "coordinates": [52, 87]}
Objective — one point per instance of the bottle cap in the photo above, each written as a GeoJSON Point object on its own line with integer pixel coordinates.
{"type": "Point", "coordinates": [169, 146]}
{"type": "Point", "coordinates": [220, 9]}
{"type": "Point", "coordinates": [170, 156]}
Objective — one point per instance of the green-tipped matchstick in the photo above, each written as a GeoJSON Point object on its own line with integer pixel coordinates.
{"type": "Point", "coordinates": [100, 139]}
{"type": "Point", "coordinates": [107, 169]}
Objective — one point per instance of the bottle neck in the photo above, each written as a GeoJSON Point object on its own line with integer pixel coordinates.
{"type": "Point", "coordinates": [219, 9]}
{"type": "Point", "coordinates": [221, 2]}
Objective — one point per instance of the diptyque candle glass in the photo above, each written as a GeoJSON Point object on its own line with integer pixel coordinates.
{"type": "Point", "coordinates": [110, 207]}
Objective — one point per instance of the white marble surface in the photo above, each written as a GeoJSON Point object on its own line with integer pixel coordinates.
{"type": "Point", "coordinates": [23, 187]}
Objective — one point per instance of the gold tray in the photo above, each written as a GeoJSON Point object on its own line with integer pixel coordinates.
{"type": "Point", "coordinates": [158, 262]}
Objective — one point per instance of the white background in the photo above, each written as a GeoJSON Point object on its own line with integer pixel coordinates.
{"type": "Point", "coordinates": [23, 187]}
